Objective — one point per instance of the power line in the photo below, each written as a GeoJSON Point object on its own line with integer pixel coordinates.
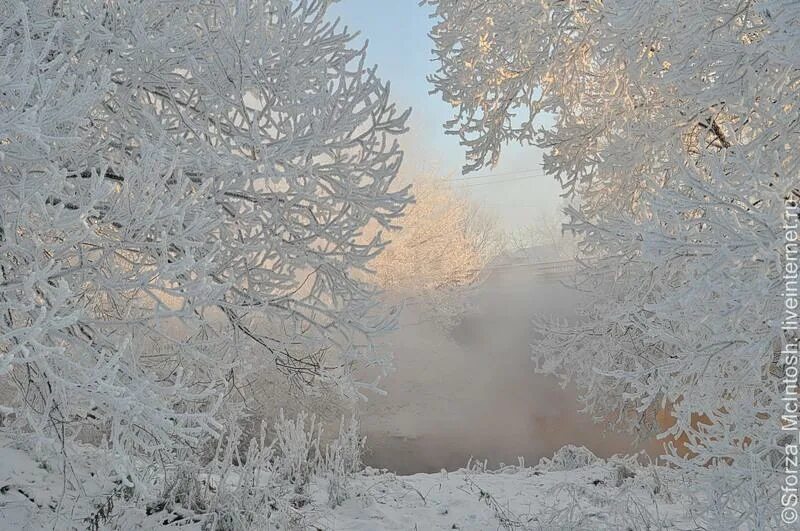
{"type": "Point", "coordinates": [501, 181]}
{"type": "Point", "coordinates": [501, 174]}
{"type": "Point", "coordinates": [513, 205]}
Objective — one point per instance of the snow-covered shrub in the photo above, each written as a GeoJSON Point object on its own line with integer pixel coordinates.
{"type": "Point", "coordinates": [181, 182]}
{"type": "Point", "coordinates": [568, 457]}
{"type": "Point", "coordinates": [345, 452]}
{"type": "Point", "coordinates": [233, 490]}
{"type": "Point", "coordinates": [297, 449]}
{"type": "Point", "coordinates": [343, 459]}
{"type": "Point", "coordinates": [674, 134]}
{"type": "Point", "coordinates": [266, 485]}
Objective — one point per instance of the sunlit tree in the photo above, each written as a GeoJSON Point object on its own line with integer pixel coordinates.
{"type": "Point", "coordinates": [675, 126]}
{"type": "Point", "coordinates": [444, 242]}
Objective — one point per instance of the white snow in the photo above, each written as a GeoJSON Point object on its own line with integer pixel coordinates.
{"type": "Point", "coordinates": [574, 490]}
{"type": "Point", "coordinates": [609, 494]}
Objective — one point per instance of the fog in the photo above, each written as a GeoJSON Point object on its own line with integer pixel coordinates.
{"type": "Point", "coordinates": [472, 391]}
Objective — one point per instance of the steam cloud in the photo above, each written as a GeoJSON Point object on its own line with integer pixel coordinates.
{"type": "Point", "coordinates": [472, 390]}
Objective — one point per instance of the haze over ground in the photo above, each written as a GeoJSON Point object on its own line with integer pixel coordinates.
{"type": "Point", "coordinates": [472, 391]}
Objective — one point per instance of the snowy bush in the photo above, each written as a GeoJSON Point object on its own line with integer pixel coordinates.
{"type": "Point", "coordinates": [674, 134]}
{"type": "Point", "coordinates": [342, 460]}
{"type": "Point", "coordinates": [268, 484]}
{"type": "Point", "coordinates": [233, 490]}
{"type": "Point", "coordinates": [298, 449]}
{"type": "Point", "coordinates": [182, 183]}
{"type": "Point", "coordinates": [567, 458]}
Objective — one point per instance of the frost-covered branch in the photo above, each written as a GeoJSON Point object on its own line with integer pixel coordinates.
{"type": "Point", "coordinates": [182, 183]}
{"type": "Point", "coordinates": [675, 130]}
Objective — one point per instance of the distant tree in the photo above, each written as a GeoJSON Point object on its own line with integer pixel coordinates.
{"type": "Point", "coordinates": [444, 242]}
{"type": "Point", "coordinates": [676, 128]}
{"type": "Point", "coordinates": [181, 182]}
{"type": "Point", "coordinates": [546, 231]}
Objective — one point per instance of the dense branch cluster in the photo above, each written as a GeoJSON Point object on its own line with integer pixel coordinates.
{"type": "Point", "coordinates": [445, 241]}
{"type": "Point", "coordinates": [180, 183]}
{"type": "Point", "coordinates": [676, 133]}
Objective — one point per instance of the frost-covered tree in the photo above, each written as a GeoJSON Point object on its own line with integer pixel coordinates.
{"type": "Point", "coordinates": [445, 241]}
{"type": "Point", "coordinates": [675, 126]}
{"type": "Point", "coordinates": [546, 231]}
{"type": "Point", "coordinates": [181, 182]}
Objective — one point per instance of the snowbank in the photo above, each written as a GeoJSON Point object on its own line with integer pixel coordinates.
{"type": "Point", "coordinates": [573, 490]}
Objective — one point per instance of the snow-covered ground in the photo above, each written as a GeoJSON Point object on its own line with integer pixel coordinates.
{"type": "Point", "coordinates": [574, 490]}
{"type": "Point", "coordinates": [596, 494]}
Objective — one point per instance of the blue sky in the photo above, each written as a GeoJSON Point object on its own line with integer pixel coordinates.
{"type": "Point", "coordinates": [398, 43]}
